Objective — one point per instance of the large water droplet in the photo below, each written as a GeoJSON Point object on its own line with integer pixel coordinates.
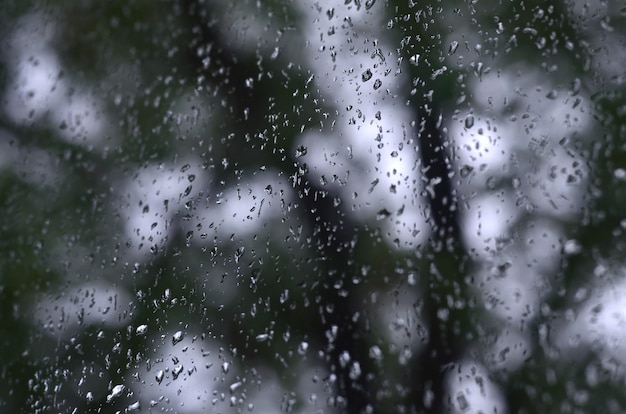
{"type": "Point", "coordinates": [115, 392]}
{"type": "Point", "coordinates": [367, 75]}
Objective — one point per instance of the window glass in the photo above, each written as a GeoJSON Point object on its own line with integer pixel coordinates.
{"type": "Point", "coordinates": [349, 206]}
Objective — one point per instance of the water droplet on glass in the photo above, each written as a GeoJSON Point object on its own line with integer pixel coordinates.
{"type": "Point", "coordinates": [141, 329]}
{"type": "Point", "coordinates": [552, 95]}
{"type": "Point", "coordinates": [225, 367]}
{"type": "Point", "coordinates": [159, 376]}
{"type": "Point", "coordinates": [176, 371]}
{"type": "Point", "coordinates": [136, 406]}
{"type": "Point", "coordinates": [572, 247]}
{"type": "Point", "coordinates": [115, 392]}
{"type": "Point", "coordinates": [415, 59]}
{"type": "Point", "coordinates": [382, 214]}
{"type": "Point", "coordinates": [355, 370]}
{"type": "Point", "coordinates": [234, 386]}
{"type": "Point", "coordinates": [301, 151]}
{"type": "Point", "coordinates": [344, 359]}
{"type": "Point", "coordinates": [177, 337]}
{"type": "Point", "coordinates": [469, 121]}
{"type": "Point", "coordinates": [412, 278]}
{"type": "Point", "coordinates": [367, 75]}
{"type": "Point", "coordinates": [377, 84]}
{"type": "Point", "coordinates": [517, 183]}
{"type": "Point", "coordinates": [454, 45]}
{"type": "Point", "coordinates": [369, 4]}
{"type": "Point", "coordinates": [375, 353]}
{"type": "Point", "coordinates": [303, 347]}
{"type": "Point", "coordinates": [275, 53]}
{"type": "Point", "coordinates": [466, 170]}
{"type": "Point", "coordinates": [491, 183]}
{"type": "Point", "coordinates": [262, 337]}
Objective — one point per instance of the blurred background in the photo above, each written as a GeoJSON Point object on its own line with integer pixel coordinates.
{"type": "Point", "coordinates": [351, 206]}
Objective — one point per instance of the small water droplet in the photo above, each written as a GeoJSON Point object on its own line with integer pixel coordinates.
{"type": "Point", "coordinates": [159, 376]}
{"type": "Point", "coordinates": [369, 4]}
{"type": "Point", "coordinates": [469, 121]}
{"type": "Point", "coordinates": [466, 170]}
{"type": "Point", "coordinates": [454, 45]}
{"type": "Point", "coordinates": [382, 214]}
{"type": "Point", "coordinates": [141, 329]}
{"type": "Point", "coordinates": [176, 371]}
{"type": "Point", "coordinates": [303, 347]}
{"type": "Point", "coordinates": [414, 60]}
{"type": "Point", "coordinates": [262, 337]}
{"type": "Point", "coordinates": [572, 247]}
{"type": "Point", "coordinates": [234, 386]}
{"type": "Point", "coordinates": [301, 151]}
{"type": "Point", "coordinates": [177, 337]}
{"type": "Point", "coordinates": [225, 367]}
{"type": "Point", "coordinates": [552, 95]}
{"type": "Point", "coordinates": [517, 183]}
{"type": "Point", "coordinates": [377, 84]}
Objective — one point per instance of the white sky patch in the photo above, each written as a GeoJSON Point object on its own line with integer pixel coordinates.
{"type": "Point", "coordinates": [369, 148]}
{"type": "Point", "coordinates": [38, 88]}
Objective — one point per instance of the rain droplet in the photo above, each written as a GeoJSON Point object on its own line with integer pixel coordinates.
{"type": "Point", "coordinates": [159, 376]}
{"type": "Point", "coordinates": [344, 359]}
{"type": "Point", "coordinates": [141, 329]}
{"type": "Point", "coordinates": [469, 121]}
{"type": "Point", "coordinates": [367, 75]}
{"type": "Point", "coordinates": [301, 151]}
{"type": "Point", "coordinates": [552, 95]}
{"type": "Point", "coordinates": [115, 392]}
{"type": "Point", "coordinates": [176, 371]}
{"type": "Point", "coordinates": [412, 278]}
{"type": "Point", "coordinates": [376, 353]}
{"type": "Point", "coordinates": [466, 170]}
{"type": "Point", "coordinates": [178, 336]}
{"type": "Point", "coordinates": [369, 4]}
{"type": "Point", "coordinates": [454, 45]}
{"type": "Point", "coordinates": [572, 247]}
{"type": "Point", "coordinates": [303, 347]}
{"type": "Point", "coordinates": [382, 214]}
{"type": "Point", "coordinates": [355, 370]}
{"type": "Point", "coordinates": [377, 84]}
{"type": "Point", "coordinates": [136, 406]}
{"type": "Point", "coordinates": [234, 386]}
{"type": "Point", "coordinates": [225, 367]}
{"type": "Point", "coordinates": [262, 337]}
{"type": "Point", "coordinates": [415, 59]}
